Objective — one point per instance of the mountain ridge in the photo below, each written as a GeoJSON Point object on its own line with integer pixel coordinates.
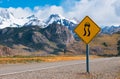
{"type": "Point", "coordinates": [51, 36]}
{"type": "Point", "coordinates": [7, 19]}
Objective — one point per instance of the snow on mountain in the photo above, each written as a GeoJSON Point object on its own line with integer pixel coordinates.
{"type": "Point", "coordinates": [34, 21]}
{"type": "Point", "coordinates": [7, 19]}
{"type": "Point", "coordinates": [110, 30]}
{"type": "Point", "coordinates": [55, 18]}
{"type": "Point", "coordinates": [4, 14]}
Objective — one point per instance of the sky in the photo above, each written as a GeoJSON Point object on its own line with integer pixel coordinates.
{"type": "Point", "coordinates": [28, 3]}
{"type": "Point", "coordinates": [103, 12]}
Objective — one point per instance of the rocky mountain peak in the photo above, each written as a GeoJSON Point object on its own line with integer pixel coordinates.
{"type": "Point", "coordinates": [57, 16]}
{"type": "Point", "coordinates": [32, 17]}
{"type": "Point", "coordinates": [58, 34]}
{"type": "Point", "coordinates": [5, 14]}
{"type": "Point", "coordinates": [54, 18]}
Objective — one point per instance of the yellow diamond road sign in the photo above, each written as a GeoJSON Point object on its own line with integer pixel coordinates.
{"type": "Point", "coordinates": [87, 29]}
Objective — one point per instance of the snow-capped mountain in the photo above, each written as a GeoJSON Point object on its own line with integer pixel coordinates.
{"type": "Point", "coordinates": [55, 18]}
{"type": "Point", "coordinates": [110, 29]}
{"type": "Point", "coordinates": [7, 19]}
{"type": "Point", "coordinates": [59, 19]}
{"type": "Point", "coordinates": [34, 21]}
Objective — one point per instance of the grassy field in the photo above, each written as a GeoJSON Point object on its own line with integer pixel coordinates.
{"type": "Point", "coordinates": [27, 59]}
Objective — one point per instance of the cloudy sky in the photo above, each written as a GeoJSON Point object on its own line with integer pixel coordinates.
{"type": "Point", "coordinates": [103, 12]}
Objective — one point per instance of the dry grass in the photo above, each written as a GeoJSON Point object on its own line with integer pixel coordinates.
{"type": "Point", "coordinates": [118, 75]}
{"type": "Point", "coordinates": [101, 45]}
{"type": "Point", "coordinates": [109, 40]}
{"type": "Point", "coordinates": [13, 60]}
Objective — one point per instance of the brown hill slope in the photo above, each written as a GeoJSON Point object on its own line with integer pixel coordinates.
{"type": "Point", "coordinates": [55, 39]}
{"type": "Point", "coordinates": [101, 45]}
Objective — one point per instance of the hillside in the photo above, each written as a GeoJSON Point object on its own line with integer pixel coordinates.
{"type": "Point", "coordinates": [103, 44]}
{"type": "Point", "coordinates": [32, 39]}
{"type": "Point", "coordinates": [41, 45]}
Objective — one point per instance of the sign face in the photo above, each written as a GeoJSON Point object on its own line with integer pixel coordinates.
{"type": "Point", "coordinates": [87, 29]}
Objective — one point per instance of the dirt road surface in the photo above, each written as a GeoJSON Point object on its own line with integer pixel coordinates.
{"type": "Point", "coordinates": [102, 68]}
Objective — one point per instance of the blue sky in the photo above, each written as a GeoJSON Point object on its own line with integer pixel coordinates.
{"type": "Point", "coordinates": [103, 12]}
{"type": "Point", "coordinates": [28, 3]}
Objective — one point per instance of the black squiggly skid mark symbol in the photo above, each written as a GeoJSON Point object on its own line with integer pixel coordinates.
{"type": "Point", "coordinates": [87, 24]}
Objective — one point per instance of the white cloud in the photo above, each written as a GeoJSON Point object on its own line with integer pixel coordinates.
{"type": "Point", "coordinates": [20, 12]}
{"type": "Point", "coordinates": [117, 7]}
{"type": "Point", "coordinates": [46, 11]}
{"type": "Point", "coordinates": [103, 12]}
{"type": "Point", "coordinates": [41, 12]}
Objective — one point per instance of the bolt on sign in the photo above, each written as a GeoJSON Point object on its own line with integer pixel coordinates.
{"type": "Point", "coordinates": [87, 29]}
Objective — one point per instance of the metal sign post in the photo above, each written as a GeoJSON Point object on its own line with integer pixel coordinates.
{"type": "Point", "coordinates": [87, 58]}
{"type": "Point", "coordinates": [87, 29]}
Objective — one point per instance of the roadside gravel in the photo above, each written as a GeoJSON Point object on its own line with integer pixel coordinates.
{"type": "Point", "coordinates": [105, 69]}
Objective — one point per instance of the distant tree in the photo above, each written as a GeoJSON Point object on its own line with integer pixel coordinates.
{"type": "Point", "coordinates": [118, 47]}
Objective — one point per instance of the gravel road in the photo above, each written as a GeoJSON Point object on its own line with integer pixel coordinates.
{"type": "Point", "coordinates": [102, 68]}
